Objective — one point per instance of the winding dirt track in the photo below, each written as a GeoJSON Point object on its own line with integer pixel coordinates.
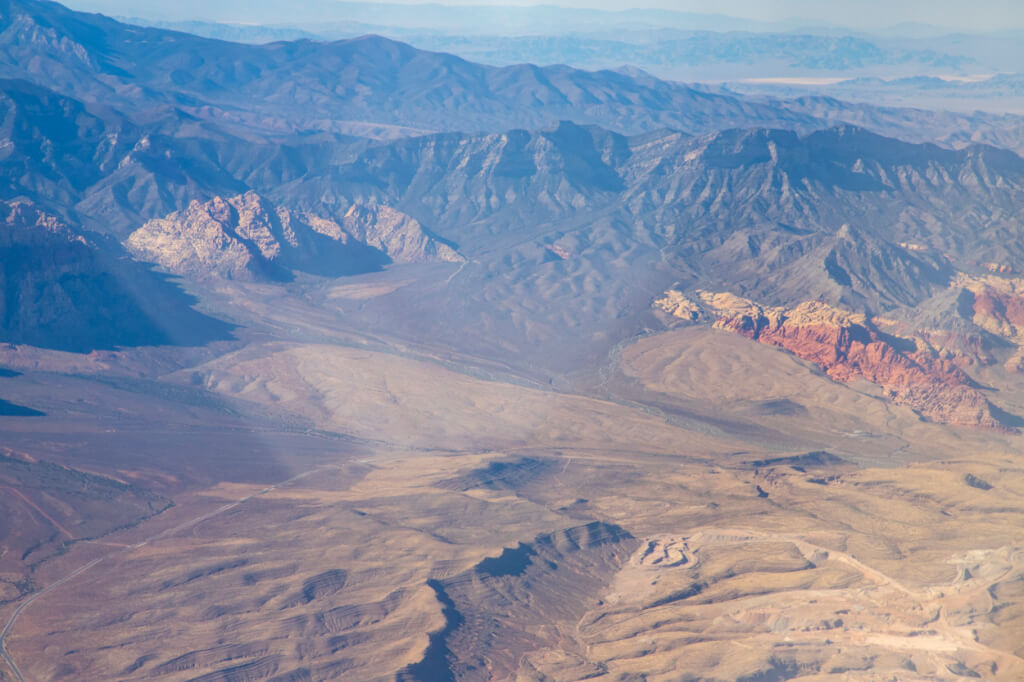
{"type": "Point", "coordinates": [42, 513]}
{"type": "Point", "coordinates": [924, 597]}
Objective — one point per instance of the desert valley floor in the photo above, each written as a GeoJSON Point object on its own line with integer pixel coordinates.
{"type": "Point", "coordinates": [700, 506]}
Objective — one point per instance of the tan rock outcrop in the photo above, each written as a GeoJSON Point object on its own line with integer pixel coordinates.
{"type": "Point", "coordinates": [998, 304]}
{"type": "Point", "coordinates": [395, 233]}
{"type": "Point", "coordinates": [677, 305]}
{"type": "Point", "coordinates": [246, 237]}
{"type": "Point", "coordinates": [206, 240]}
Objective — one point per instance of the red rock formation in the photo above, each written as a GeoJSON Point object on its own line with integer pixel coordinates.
{"type": "Point", "coordinates": [848, 347]}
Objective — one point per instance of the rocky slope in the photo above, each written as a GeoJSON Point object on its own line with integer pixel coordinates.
{"type": "Point", "coordinates": [208, 239]}
{"type": "Point", "coordinates": [996, 304]}
{"type": "Point", "coordinates": [849, 347]}
{"type": "Point", "coordinates": [399, 236]}
{"type": "Point", "coordinates": [61, 291]}
{"type": "Point", "coordinates": [246, 237]}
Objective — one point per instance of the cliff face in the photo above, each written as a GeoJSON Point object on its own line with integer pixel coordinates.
{"type": "Point", "coordinates": [398, 235]}
{"type": "Point", "coordinates": [206, 240]}
{"type": "Point", "coordinates": [246, 237]}
{"type": "Point", "coordinates": [848, 347]}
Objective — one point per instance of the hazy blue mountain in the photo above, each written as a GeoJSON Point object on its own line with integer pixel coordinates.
{"type": "Point", "coordinates": [239, 33]}
{"type": "Point", "coordinates": [455, 19]}
{"type": "Point", "coordinates": [370, 85]}
{"type": "Point", "coordinates": [999, 93]}
{"type": "Point", "coordinates": [679, 53]}
{"type": "Point", "coordinates": [676, 53]}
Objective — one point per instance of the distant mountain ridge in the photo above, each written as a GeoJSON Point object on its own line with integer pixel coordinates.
{"type": "Point", "coordinates": [467, 19]}
{"type": "Point", "coordinates": [368, 86]}
{"type": "Point", "coordinates": [346, 86]}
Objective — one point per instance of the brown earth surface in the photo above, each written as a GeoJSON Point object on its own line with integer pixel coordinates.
{"type": "Point", "coordinates": [704, 507]}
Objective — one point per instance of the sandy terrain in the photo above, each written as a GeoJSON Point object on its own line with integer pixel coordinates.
{"type": "Point", "coordinates": [366, 511]}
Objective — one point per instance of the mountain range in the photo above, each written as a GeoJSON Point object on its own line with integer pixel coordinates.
{"type": "Point", "coordinates": [368, 86]}
{"type": "Point", "coordinates": [669, 44]}
{"type": "Point", "coordinates": [216, 160]}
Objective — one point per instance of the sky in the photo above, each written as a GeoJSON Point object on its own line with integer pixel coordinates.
{"type": "Point", "coordinates": [989, 14]}
{"type": "Point", "coordinates": [976, 15]}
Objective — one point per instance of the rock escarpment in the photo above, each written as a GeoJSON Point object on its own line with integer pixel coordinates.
{"type": "Point", "coordinates": [246, 237]}
{"type": "Point", "coordinates": [394, 233]}
{"type": "Point", "coordinates": [528, 598]}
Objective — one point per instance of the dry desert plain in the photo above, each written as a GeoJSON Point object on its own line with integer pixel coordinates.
{"type": "Point", "coordinates": [314, 501]}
